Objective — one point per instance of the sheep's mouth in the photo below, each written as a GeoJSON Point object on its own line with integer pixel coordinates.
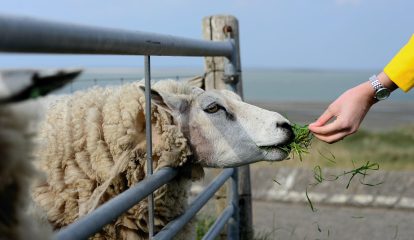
{"type": "Point", "coordinates": [283, 148]}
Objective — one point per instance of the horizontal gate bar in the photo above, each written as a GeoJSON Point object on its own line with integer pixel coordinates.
{"type": "Point", "coordinates": [28, 35]}
{"type": "Point", "coordinates": [173, 227]}
{"type": "Point", "coordinates": [215, 229]}
{"type": "Point", "coordinates": [93, 222]}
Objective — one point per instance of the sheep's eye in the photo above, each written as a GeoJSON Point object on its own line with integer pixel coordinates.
{"type": "Point", "coordinates": [213, 108]}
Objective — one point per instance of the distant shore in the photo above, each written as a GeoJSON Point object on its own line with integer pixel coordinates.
{"type": "Point", "coordinates": [382, 117]}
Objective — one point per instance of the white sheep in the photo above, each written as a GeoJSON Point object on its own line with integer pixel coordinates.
{"type": "Point", "coordinates": [93, 148]}
{"type": "Point", "coordinates": [18, 118]}
{"type": "Point", "coordinates": [16, 175]}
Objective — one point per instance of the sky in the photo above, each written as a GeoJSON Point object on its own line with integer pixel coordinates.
{"type": "Point", "coordinates": [283, 34]}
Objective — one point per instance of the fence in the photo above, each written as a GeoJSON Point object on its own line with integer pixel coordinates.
{"type": "Point", "coordinates": [25, 35]}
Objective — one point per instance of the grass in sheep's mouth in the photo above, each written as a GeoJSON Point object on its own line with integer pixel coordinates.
{"type": "Point", "coordinates": [300, 145]}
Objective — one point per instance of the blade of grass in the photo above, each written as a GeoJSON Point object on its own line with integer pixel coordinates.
{"type": "Point", "coordinates": [361, 171]}
{"type": "Point", "coordinates": [309, 201]}
{"type": "Point", "coordinates": [330, 159]}
{"type": "Point", "coordinates": [274, 180]}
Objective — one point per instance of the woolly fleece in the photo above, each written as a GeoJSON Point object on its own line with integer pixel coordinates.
{"type": "Point", "coordinates": [16, 174]}
{"type": "Point", "coordinates": [92, 148]}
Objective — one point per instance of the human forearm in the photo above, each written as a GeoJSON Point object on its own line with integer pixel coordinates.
{"type": "Point", "coordinates": [350, 108]}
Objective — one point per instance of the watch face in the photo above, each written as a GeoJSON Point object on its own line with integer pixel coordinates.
{"type": "Point", "coordinates": [382, 93]}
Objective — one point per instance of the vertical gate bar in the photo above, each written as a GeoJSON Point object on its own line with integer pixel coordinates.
{"type": "Point", "coordinates": [234, 222]}
{"type": "Point", "coordinates": [147, 64]}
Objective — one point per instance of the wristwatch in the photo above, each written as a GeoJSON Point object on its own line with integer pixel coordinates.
{"type": "Point", "coordinates": [381, 92]}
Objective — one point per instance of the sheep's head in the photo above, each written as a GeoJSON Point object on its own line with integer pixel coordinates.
{"type": "Point", "coordinates": [224, 131]}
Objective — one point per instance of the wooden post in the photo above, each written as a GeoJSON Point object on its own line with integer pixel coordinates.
{"type": "Point", "coordinates": [220, 27]}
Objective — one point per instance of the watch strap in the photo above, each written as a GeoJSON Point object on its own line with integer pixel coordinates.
{"type": "Point", "coordinates": [375, 83]}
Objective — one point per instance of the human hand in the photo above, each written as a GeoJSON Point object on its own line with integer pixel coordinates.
{"type": "Point", "coordinates": [347, 113]}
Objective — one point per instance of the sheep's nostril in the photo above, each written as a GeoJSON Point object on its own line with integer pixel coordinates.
{"type": "Point", "coordinates": [287, 128]}
{"type": "Point", "coordinates": [284, 125]}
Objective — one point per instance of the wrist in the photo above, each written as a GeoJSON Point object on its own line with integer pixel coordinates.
{"type": "Point", "coordinates": [366, 92]}
{"type": "Point", "coordinates": [382, 86]}
{"type": "Point", "coordinates": [386, 81]}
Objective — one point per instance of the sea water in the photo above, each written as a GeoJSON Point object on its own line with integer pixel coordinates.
{"type": "Point", "coordinates": [266, 85]}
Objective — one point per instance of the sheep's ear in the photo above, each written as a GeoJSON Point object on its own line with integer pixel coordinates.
{"type": "Point", "coordinates": [197, 91]}
{"type": "Point", "coordinates": [169, 102]}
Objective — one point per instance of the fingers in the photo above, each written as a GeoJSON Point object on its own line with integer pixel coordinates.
{"type": "Point", "coordinates": [330, 128]}
{"type": "Point", "coordinates": [319, 127]}
{"type": "Point", "coordinates": [333, 138]}
{"type": "Point", "coordinates": [331, 132]}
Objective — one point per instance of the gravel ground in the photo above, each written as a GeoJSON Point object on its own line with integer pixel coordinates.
{"type": "Point", "coordinates": [293, 219]}
{"type": "Point", "coordinates": [297, 221]}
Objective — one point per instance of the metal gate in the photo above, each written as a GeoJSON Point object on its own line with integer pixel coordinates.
{"type": "Point", "coordinates": [24, 35]}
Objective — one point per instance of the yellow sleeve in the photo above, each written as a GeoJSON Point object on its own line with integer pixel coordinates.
{"type": "Point", "coordinates": [401, 68]}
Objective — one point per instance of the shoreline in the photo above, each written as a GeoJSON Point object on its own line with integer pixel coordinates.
{"type": "Point", "coordinates": [383, 116]}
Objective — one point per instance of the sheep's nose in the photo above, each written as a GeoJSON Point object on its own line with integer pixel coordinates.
{"type": "Point", "coordinates": [287, 128]}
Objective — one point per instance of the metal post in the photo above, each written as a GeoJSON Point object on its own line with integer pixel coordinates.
{"type": "Point", "coordinates": [217, 69]}
{"type": "Point", "coordinates": [149, 141]}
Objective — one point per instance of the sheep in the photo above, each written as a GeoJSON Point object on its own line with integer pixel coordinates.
{"type": "Point", "coordinates": [16, 174]}
{"type": "Point", "coordinates": [93, 147]}
{"type": "Point", "coordinates": [18, 117]}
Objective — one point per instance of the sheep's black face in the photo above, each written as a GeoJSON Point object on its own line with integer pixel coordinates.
{"type": "Point", "coordinates": [224, 131]}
